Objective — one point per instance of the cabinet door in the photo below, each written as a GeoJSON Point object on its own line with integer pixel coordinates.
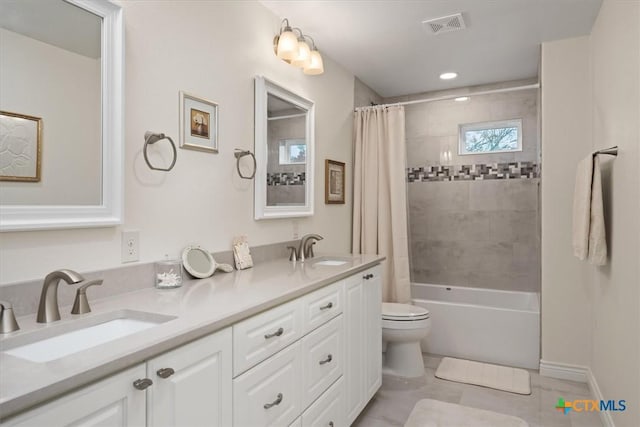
{"type": "Point", "coordinates": [354, 345]}
{"type": "Point", "coordinates": [112, 402]}
{"type": "Point", "coordinates": [372, 288]}
{"type": "Point", "coordinates": [192, 384]}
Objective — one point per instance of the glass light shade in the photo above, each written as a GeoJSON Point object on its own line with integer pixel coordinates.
{"type": "Point", "coordinates": [315, 66]}
{"type": "Point", "coordinates": [287, 45]}
{"type": "Point", "coordinates": [304, 55]}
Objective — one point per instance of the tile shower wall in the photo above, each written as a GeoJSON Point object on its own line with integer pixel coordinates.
{"type": "Point", "coordinates": [474, 219]}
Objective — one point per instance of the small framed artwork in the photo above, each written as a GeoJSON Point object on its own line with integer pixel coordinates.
{"type": "Point", "coordinates": [334, 178]}
{"type": "Point", "coordinates": [198, 123]}
{"type": "Point", "coordinates": [20, 147]}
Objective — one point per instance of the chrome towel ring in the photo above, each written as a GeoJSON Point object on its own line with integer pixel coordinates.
{"type": "Point", "coordinates": [152, 138]}
{"type": "Point", "coordinates": [240, 154]}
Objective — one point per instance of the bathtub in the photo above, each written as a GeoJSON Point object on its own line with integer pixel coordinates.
{"type": "Point", "coordinates": [486, 325]}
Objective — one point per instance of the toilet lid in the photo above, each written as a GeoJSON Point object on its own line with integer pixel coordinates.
{"type": "Point", "coordinates": [394, 311]}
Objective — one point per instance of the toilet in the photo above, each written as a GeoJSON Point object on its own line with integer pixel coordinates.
{"type": "Point", "coordinates": [403, 327]}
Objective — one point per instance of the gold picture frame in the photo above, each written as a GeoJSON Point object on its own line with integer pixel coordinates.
{"type": "Point", "coordinates": [21, 137]}
{"type": "Point", "coordinates": [334, 182]}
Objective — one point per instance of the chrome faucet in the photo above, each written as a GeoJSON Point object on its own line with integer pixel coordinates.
{"type": "Point", "coordinates": [48, 310]}
{"type": "Point", "coordinates": [8, 321]}
{"type": "Point", "coordinates": [305, 250]}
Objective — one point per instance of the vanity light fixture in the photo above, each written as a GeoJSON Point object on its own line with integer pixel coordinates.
{"type": "Point", "coordinates": [295, 50]}
{"type": "Point", "coordinates": [448, 75]}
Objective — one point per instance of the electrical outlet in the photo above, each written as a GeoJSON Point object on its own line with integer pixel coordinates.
{"type": "Point", "coordinates": [130, 246]}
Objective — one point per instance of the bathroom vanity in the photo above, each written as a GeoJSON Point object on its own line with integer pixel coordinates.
{"type": "Point", "coordinates": [280, 344]}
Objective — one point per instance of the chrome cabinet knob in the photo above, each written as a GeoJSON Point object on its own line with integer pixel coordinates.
{"type": "Point", "coordinates": [326, 306]}
{"type": "Point", "coordinates": [142, 384]}
{"type": "Point", "coordinates": [165, 372]}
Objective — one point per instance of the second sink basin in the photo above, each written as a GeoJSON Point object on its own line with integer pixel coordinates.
{"type": "Point", "coordinates": [56, 342]}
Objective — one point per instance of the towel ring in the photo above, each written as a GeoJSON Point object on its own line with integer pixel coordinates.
{"type": "Point", "coordinates": [240, 154]}
{"type": "Point", "coordinates": [152, 138]}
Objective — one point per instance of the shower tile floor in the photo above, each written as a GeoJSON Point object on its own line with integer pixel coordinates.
{"type": "Point", "coordinates": [393, 403]}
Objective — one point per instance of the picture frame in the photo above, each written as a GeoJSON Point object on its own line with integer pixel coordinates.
{"type": "Point", "coordinates": [23, 133]}
{"type": "Point", "coordinates": [334, 182]}
{"type": "Point", "coordinates": [198, 123]}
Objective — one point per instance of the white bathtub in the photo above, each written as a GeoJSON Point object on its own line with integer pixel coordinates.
{"type": "Point", "coordinates": [486, 325]}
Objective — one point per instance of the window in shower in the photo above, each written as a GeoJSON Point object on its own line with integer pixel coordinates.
{"type": "Point", "coordinates": [490, 137]}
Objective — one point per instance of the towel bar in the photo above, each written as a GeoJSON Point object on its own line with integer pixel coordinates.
{"type": "Point", "coordinates": [613, 151]}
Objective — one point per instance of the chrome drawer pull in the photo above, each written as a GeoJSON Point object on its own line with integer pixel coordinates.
{"type": "Point", "coordinates": [327, 306]}
{"type": "Point", "coordinates": [165, 372]}
{"type": "Point", "coordinates": [327, 360]}
{"type": "Point", "coordinates": [275, 402]}
{"type": "Point", "coordinates": [142, 383]}
{"type": "Point", "coordinates": [277, 333]}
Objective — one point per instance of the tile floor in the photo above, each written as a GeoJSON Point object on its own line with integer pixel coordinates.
{"type": "Point", "coordinates": [394, 401]}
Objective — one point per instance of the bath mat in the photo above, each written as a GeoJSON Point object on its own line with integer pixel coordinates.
{"type": "Point", "coordinates": [434, 413]}
{"type": "Point", "coordinates": [484, 374]}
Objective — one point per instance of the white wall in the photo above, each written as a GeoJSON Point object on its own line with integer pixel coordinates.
{"type": "Point", "coordinates": [62, 88]}
{"type": "Point", "coordinates": [591, 100]}
{"type": "Point", "coordinates": [565, 141]}
{"type": "Point", "coordinates": [213, 50]}
{"type": "Point", "coordinates": [615, 288]}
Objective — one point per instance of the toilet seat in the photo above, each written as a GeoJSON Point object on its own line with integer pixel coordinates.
{"type": "Point", "coordinates": [403, 312]}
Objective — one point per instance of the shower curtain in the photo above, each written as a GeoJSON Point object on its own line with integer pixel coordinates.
{"type": "Point", "coordinates": [379, 195]}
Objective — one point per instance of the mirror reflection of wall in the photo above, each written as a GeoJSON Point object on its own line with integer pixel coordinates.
{"type": "Point", "coordinates": [286, 159]}
{"type": "Point", "coordinates": [54, 74]}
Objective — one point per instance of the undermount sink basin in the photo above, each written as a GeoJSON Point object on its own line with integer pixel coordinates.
{"type": "Point", "coordinates": [56, 341]}
{"type": "Point", "coordinates": [329, 261]}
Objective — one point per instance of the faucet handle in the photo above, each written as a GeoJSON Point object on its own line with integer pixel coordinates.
{"type": "Point", "coordinates": [81, 303]}
{"type": "Point", "coordinates": [293, 253]}
{"type": "Point", "coordinates": [8, 322]}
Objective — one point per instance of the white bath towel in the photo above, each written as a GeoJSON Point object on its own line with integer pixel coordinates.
{"type": "Point", "coordinates": [589, 237]}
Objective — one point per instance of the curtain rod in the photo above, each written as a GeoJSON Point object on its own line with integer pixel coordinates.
{"type": "Point", "coordinates": [445, 97]}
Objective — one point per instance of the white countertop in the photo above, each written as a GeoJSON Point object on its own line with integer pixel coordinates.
{"type": "Point", "coordinates": [200, 306]}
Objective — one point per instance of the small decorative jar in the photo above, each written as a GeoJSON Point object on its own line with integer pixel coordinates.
{"type": "Point", "coordinates": [168, 274]}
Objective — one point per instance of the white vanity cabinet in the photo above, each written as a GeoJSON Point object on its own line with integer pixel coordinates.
{"type": "Point", "coordinates": [192, 384]}
{"type": "Point", "coordinates": [363, 337]}
{"type": "Point", "coordinates": [110, 402]}
{"type": "Point", "coordinates": [312, 361]}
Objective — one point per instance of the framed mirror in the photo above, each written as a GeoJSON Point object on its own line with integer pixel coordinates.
{"type": "Point", "coordinates": [70, 172]}
{"type": "Point", "coordinates": [284, 149]}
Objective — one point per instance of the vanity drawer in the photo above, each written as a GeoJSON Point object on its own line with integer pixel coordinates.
{"type": "Point", "coordinates": [260, 336]}
{"type": "Point", "coordinates": [329, 410]}
{"type": "Point", "coordinates": [323, 353]}
{"type": "Point", "coordinates": [270, 393]}
{"type": "Point", "coordinates": [322, 305]}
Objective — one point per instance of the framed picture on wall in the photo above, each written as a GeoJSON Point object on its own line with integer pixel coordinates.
{"type": "Point", "coordinates": [21, 153]}
{"type": "Point", "coordinates": [198, 123]}
{"type": "Point", "coordinates": [334, 179]}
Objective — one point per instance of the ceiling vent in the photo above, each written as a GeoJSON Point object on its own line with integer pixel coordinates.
{"type": "Point", "coordinates": [446, 24]}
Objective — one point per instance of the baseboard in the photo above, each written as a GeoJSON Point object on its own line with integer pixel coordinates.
{"type": "Point", "coordinates": [564, 371]}
{"type": "Point", "coordinates": [605, 416]}
{"type": "Point", "coordinates": [583, 374]}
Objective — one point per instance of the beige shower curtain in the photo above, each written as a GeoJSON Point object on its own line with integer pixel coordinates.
{"type": "Point", "coordinates": [379, 195]}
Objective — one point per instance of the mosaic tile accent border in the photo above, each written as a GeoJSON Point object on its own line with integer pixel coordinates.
{"type": "Point", "coordinates": [286, 178]}
{"type": "Point", "coordinates": [511, 170]}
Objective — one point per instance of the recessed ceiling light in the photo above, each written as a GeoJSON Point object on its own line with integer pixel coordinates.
{"type": "Point", "coordinates": [448, 76]}
{"type": "Point", "coordinates": [461, 98]}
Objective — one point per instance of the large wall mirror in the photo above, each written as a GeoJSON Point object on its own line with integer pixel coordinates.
{"type": "Point", "coordinates": [284, 152]}
{"type": "Point", "coordinates": [61, 126]}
